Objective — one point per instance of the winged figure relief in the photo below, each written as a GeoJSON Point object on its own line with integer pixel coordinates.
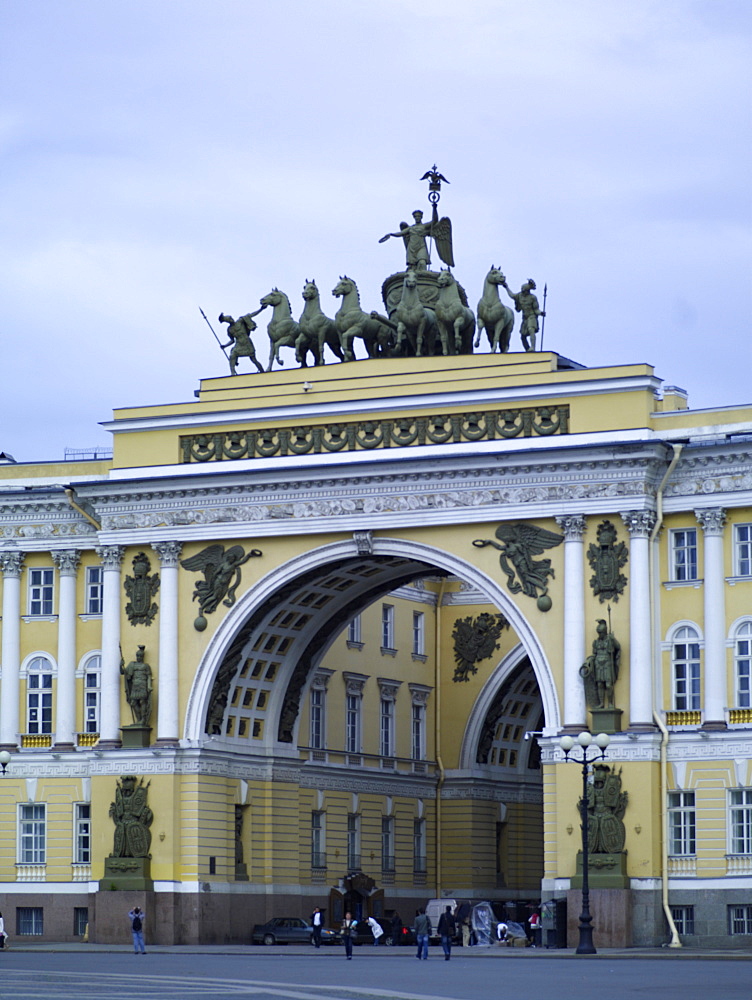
{"type": "Point", "coordinates": [221, 569]}
{"type": "Point", "coordinates": [518, 543]}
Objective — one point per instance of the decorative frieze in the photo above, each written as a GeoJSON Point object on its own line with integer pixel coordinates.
{"type": "Point", "coordinates": [367, 435]}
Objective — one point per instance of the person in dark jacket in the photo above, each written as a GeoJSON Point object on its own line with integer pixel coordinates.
{"type": "Point", "coordinates": [317, 923]}
{"type": "Point", "coordinates": [447, 929]}
{"type": "Point", "coordinates": [396, 929]}
{"type": "Point", "coordinates": [422, 933]}
{"type": "Point", "coordinates": [347, 931]}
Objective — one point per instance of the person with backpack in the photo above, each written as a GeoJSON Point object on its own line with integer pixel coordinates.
{"type": "Point", "coordinates": [137, 917]}
{"type": "Point", "coordinates": [447, 929]}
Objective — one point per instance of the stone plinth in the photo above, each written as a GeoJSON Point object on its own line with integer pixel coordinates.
{"type": "Point", "coordinates": [136, 737]}
{"type": "Point", "coordinates": [605, 871]}
{"type": "Point", "coordinates": [127, 873]}
{"type": "Point", "coordinates": [611, 910]}
{"type": "Point", "coordinates": [606, 720]}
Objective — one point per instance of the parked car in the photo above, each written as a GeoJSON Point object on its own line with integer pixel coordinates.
{"type": "Point", "coordinates": [289, 930]}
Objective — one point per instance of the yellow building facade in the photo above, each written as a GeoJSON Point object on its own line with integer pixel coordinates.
{"type": "Point", "coordinates": [309, 561]}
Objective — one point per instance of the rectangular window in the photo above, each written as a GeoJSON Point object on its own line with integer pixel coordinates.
{"type": "Point", "coordinates": [353, 842]}
{"type": "Point", "coordinates": [82, 834]}
{"type": "Point", "coordinates": [686, 657]}
{"type": "Point", "coordinates": [418, 733]}
{"type": "Point", "coordinates": [39, 703]}
{"type": "Point", "coordinates": [684, 554]}
{"type": "Point", "coordinates": [318, 840]}
{"type": "Point", "coordinates": [41, 591]}
{"type": "Point", "coordinates": [352, 723]}
{"type": "Point", "coordinates": [743, 550]}
{"type": "Point", "coordinates": [29, 920]}
{"type": "Point", "coordinates": [32, 835]}
{"type": "Point", "coordinates": [740, 919]}
{"type": "Point", "coordinates": [91, 695]}
{"type": "Point", "coordinates": [681, 824]}
{"type": "Point", "coordinates": [80, 920]}
{"type": "Point", "coordinates": [743, 663]}
{"type": "Point", "coordinates": [684, 919]}
{"type": "Point", "coordinates": [353, 630]}
{"type": "Point", "coordinates": [387, 727]}
{"type": "Point", "coordinates": [387, 626]}
{"type": "Point", "coordinates": [419, 846]}
{"type": "Point", "coordinates": [387, 843]}
{"type": "Point", "coordinates": [317, 718]}
{"type": "Point", "coordinates": [740, 825]}
{"type": "Point", "coordinates": [94, 581]}
{"type": "Point", "coordinates": [419, 633]}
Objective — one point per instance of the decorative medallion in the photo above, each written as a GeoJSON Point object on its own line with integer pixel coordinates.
{"type": "Point", "coordinates": [519, 543]}
{"type": "Point", "coordinates": [606, 559]}
{"type": "Point", "coordinates": [140, 588]}
{"type": "Point", "coordinates": [475, 640]}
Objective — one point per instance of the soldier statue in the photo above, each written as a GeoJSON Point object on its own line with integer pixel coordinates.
{"type": "Point", "coordinates": [138, 687]}
{"type": "Point", "coordinates": [527, 303]}
{"type": "Point", "coordinates": [600, 670]}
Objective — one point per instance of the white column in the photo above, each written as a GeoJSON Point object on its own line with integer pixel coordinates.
{"type": "Point", "coordinates": [65, 721]}
{"type": "Point", "coordinates": [11, 563]}
{"type": "Point", "coordinates": [714, 627]}
{"type": "Point", "coordinates": [168, 729]}
{"type": "Point", "coordinates": [109, 728]}
{"type": "Point", "coordinates": [639, 524]}
{"type": "Point", "coordinates": [573, 526]}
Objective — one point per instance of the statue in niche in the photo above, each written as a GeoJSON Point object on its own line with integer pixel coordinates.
{"type": "Point", "coordinates": [474, 641]}
{"type": "Point", "coordinates": [140, 588]}
{"type": "Point", "coordinates": [132, 818]}
{"type": "Point", "coordinates": [600, 671]}
{"type": "Point", "coordinates": [527, 304]}
{"type": "Point", "coordinates": [606, 559]}
{"type": "Point", "coordinates": [519, 543]}
{"type": "Point", "coordinates": [239, 331]}
{"type": "Point", "coordinates": [606, 805]}
{"type": "Point", "coordinates": [138, 687]}
{"type": "Point", "coordinates": [221, 569]}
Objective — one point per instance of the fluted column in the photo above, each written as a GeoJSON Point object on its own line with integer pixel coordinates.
{"type": "Point", "coordinates": [573, 526]}
{"type": "Point", "coordinates": [65, 719]}
{"type": "Point", "coordinates": [12, 564]}
{"type": "Point", "coordinates": [109, 728]}
{"type": "Point", "coordinates": [714, 626]}
{"type": "Point", "coordinates": [168, 732]}
{"type": "Point", "coordinates": [640, 523]}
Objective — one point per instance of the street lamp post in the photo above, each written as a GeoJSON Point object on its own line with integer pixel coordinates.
{"type": "Point", "coordinates": [5, 759]}
{"type": "Point", "coordinates": [584, 740]}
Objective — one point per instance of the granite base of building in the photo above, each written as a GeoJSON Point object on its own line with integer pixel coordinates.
{"type": "Point", "coordinates": [611, 910]}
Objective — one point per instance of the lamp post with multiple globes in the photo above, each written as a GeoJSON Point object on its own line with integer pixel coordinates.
{"type": "Point", "coordinates": [567, 744]}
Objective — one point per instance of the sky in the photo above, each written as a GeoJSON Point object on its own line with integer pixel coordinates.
{"type": "Point", "coordinates": [162, 156]}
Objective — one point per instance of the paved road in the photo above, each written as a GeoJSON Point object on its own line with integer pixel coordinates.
{"type": "Point", "coordinates": [299, 974]}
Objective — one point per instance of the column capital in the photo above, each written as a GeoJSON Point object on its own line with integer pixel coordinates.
{"type": "Point", "coordinates": [573, 526]}
{"type": "Point", "coordinates": [712, 519]}
{"type": "Point", "coordinates": [111, 555]}
{"type": "Point", "coordinates": [168, 552]}
{"type": "Point", "coordinates": [639, 523]}
{"type": "Point", "coordinates": [67, 561]}
{"type": "Point", "coordinates": [11, 563]}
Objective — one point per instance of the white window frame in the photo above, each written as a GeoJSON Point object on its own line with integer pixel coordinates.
{"type": "Point", "coordinates": [418, 732]}
{"type": "Point", "coordinates": [420, 860]}
{"type": "Point", "coordinates": [355, 631]}
{"type": "Point", "coordinates": [387, 626]}
{"type": "Point", "coordinates": [740, 918]}
{"type": "Point", "coordinates": [682, 824]}
{"type": "Point", "coordinates": [94, 589]}
{"type": "Point", "coordinates": [353, 841]}
{"type": "Point", "coordinates": [740, 821]}
{"type": "Point", "coordinates": [386, 726]}
{"type": "Point", "coordinates": [41, 592]}
{"type": "Point", "coordinates": [684, 919]}
{"type": "Point", "coordinates": [743, 549]}
{"type": "Point", "coordinates": [686, 669]}
{"type": "Point", "coordinates": [387, 844]}
{"type": "Point", "coordinates": [82, 833]}
{"type": "Point", "coordinates": [743, 664]}
{"type": "Point", "coordinates": [353, 720]}
{"type": "Point", "coordinates": [32, 833]}
{"type": "Point", "coordinates": [317, 734]}
{"type": "Point", "coordinates": [684, 555]}
{"type": "Point", "coordinates": [39, 696]}
{"type": "Point", "coordinates": [419, 633]}
{"type": "Point", "coordinates": [318, 838]}
{"type": "Point", "coordinates": [92, 670]}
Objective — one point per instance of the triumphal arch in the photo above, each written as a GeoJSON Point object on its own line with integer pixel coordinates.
{"type": "Point", "coordinates": [312, 638]}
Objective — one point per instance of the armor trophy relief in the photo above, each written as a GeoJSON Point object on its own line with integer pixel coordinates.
{"type": "Point", "coordinates": [426, 311]}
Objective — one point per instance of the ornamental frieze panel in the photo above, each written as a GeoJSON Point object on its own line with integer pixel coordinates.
{"type": "Point", "coordinates": [375, 434]}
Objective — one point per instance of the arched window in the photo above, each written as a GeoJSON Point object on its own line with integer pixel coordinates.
{"type": "Point", "coordinates": [685, 657]}
{"type": "Point", "coordinates": [743, 665]}
{"type": "Point", "coordinates": [92, 693]}
{"type": "Point", "coordinates": [39, 696]}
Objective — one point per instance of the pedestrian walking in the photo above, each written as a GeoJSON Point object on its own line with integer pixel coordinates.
{"type": "Point", "coordinates": [422, 933]}
{"type": "Point", "coordinates": [316, 923]}
{"type": "Point", "coordinates": [463, 915]}
{"type": "Point", "coordinates": [447, 929]}
{"type": "Point", "coordinates": [396, 929]}
{"type": "Point", "coordinates": [535, 928]}
{"type": "Point", "coordinates": [3, 935]}
{"type": "Point", "coordinates": [376, 929]}
{"type": "Point", "coordinates": [347, 930]}
{"type": "Point", "coordinates": [138, 917]}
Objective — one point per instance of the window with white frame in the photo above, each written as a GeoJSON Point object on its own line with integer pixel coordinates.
{"type": "Point", "coordinates": [41, 591]}
{"type": "Point", "coordinates": [353, 706]}
{"type": "Point", "coordinates": [354, 630]}
{"type": "Point", "coordinates": [419, 633]}
{"type": "Point", "coordinates": [685, 656]}
{"type": "Point", "coordinates": [94, 581]}
{"type": "Point", "coordinates": [82, 833]}
{"type": "Point", "coordinates": [743, 665]}
{"type": "Point", "coordinates": [318, 705]}
{"type": "Point", "coordinates": [740, 919]}
{"type": "Point", "coordinates": [353, 842]}
{"type": "Point", "coordinates": [387, 626]}
{"type": "Point", "coordinates": [743, 550]}
{"type": "Point", "coordinates": [387, 843]}
{"type": "Point", "coordinates": [684, 554]}
{"type": "Point", "coordinates": [92, 693]}
{"type": "Point", "coordinates": [318, 839]}
{"type": "Point", "coordinates": [39, 696]}
{"type": "Point", "coordinates": [681, 824]}
{"type": "Point", "coordinates": [684, 919]}
{"type": "Point", "coordinates": [29, 920]}
{"type": "Point", "coordinates": [740, 820]}
{"type": "Point", "coordinates": [387, 725]}
{"type": "Point", "coordinates": [419, 845]}
{"type": "Point", "coordinates": [419, 732]}
{"type": "Point", "coordinates": [32, 834]}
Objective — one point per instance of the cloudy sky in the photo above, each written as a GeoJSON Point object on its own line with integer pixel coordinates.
{"type": "Point", "coordinates": [164, 155]}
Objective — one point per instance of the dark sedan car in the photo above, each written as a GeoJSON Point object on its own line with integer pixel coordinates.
{"type": "Point", "coordinates": [289, 930]}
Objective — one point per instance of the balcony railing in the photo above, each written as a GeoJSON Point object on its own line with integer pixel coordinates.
{"type": "Point", "coordinates": [681, 865]}
{"type": "Point", "coordinates": [30, 873]}
{"type": "Point", "coordinates": [81, 872]}
{"type": "Point", "coordinates": [739, 864]}
{"type": "Point", "coordinates": [36, 741]}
